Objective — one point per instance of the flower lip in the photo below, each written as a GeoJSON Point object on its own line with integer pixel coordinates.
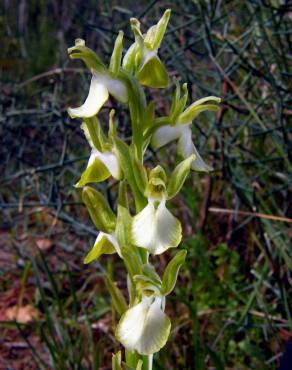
{"type": "Point", "coordinates": [144, 327]}
{"type": "Point", "coordinates": [155, 228]}
{"type": "Point", "coordinates": [101, 85]}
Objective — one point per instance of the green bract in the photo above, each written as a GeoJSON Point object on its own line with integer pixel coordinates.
{"type": "Point", "coordinates": [143, 223]}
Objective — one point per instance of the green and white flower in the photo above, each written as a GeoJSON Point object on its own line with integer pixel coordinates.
{"type": "Point", "coordinates": [104, 244]}
{"type": "Point", "coordinates": [103, 83]}
{"type": "Point", "coordinates": [100, 166]}
{"type": "Point", "coordinates": [103, 161]}
{"type": "Point", "coordinates": [100, 87]}
{"type": "Point", "coordinates": [180, 129]}
{"type": "Point", "coordinates": [155, 228]}
{"type": "Point", "coordinates": [144, 327]}
{"type": "Point", "coordinates": [142, 57]}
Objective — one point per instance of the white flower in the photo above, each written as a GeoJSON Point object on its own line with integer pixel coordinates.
{"type": "Point", "coordinates": [155, 228]}
{"type": "Point", "coordinates": [186, 147]}
{"type": "Point", "coordinates": [109, 159]}
{"type": "Point", "coordinates": [100, 87]}
{"type": "Point", "coordinates": [104, 244]}
{"type": "Point", "coordinates": [181, 130]}
{"type": "Point", "coordinates": [144, 327]}
{"type": "Point", "coordinates": [100, 166]}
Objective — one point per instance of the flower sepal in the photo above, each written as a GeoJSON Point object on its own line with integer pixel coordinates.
{"type": "Point", "coordinates": [100, 212]}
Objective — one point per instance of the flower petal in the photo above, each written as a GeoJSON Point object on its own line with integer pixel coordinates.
{"type": "Point", "coordinates": [104, 244]}
{"type": "Point", "coordinates": [164, 135]}
{"type": "Point", "coordinates": [143, 227]}
{"type": "Point", "coordinates": [169, 232]}
{"type": "Point", "coordinates": [156, 229]}
{"type": "Point", "coordinates": [144, 327]}
{"type": "Point", "coordinates": [186, 147]}
{"type": "Point", "coordinates": [152, 73]}
{"type": "Point", "coordinates": [96, 171]}
{"type": "Point", "coordinates": [116, 87]}
{"type": "Point", "coordinates": [110, 160]}
{"type": "Point", "coordinates": [97, 96]}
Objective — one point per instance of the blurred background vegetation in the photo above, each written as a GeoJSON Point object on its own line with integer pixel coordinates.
{"type": "Point", "coordinates": [232, 305]}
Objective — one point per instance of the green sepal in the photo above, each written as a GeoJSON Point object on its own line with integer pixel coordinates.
{"type": "Point", "coordinates": [148, 281]}
{"type": "Point", "coordinates": [94, 134]}
{"type": "Point", "coordinates": [131, 359]}
{"type": "Point", "coordinates": [124, 155]}
{"type": "Point", "coordinates": [100, 212]}
{"type": "Point", "coordinates": [96, 172]}
{"type": "Point", "coordinates": [139, 170]}
{"type": "Point", "coordinates": [132, 56]}
{"type": "Point", "coordinates": [171, 272]}
{"type": "Point", "coordinates": [178, 176]}
{"type": "Point", "coordinates": [145, 286]}
{"type": "Point", "coordinates": [89, 57]}
{"type": "Point", "coordinates": [152, 73]}
{"type": "Point", "coordinates": [156, 33]}
{"type": "Point", "coordinates": [139, 365]}
{"type": "Point", "coordinates": [178, 103]}
{"type": "Point", "coordinates": [149, 270]}
{"type": "Point", "coordinates": [198, 107]}
{"type": "Point", "coordinates": [91, 132]}
{"type": "Point", "coordinates": [118, 299]}
{"type": "Point", "coordinates": [117, 361]}
{"type": "Point", "coordinates": [116, 57]}
{"type": "Point", "coordinates": [103, 246]}
{"type": "Point", "coordinates": [123, 226]}
{"type": "Point", "coordinates": [156, 185]}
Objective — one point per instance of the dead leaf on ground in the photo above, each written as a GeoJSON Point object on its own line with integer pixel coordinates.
{"type": "Point", "coordinates": [22, 314]}
{"type": "Point", "coordinates": [44, 244]}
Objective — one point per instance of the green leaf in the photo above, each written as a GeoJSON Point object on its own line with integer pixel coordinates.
{"type": "Point", "coordinates": [132, 259]}
{"type": "Point", "coordinates": [96, 172]}
{"type": "Point", "coordinates": [171, 272]}
{"type": "Point", "coordinates": [101, 246]}
{"type": "Point", "coordinates": [137, 107]}
{"type": "Point", "coordinates": [117, 361]}
{"type": "Point", "coordinates": [99, 210]}
{"type": "Point", "coordinates": [123, 196]}
{"type": "Point", "coordinates": [152, 73]}
{"type": "Point", "coordinates": [118, 299]}
{"type": "Point", "coordinates": [179, 176]}
{"type": "Point", "coordinates": [126, 164]}
{"type": "Point", "coordinates": [116, 57]}
{"type": "Point", "coordinates": [123, 226]}
{"type": "Point", "coordinates": [139, 365]}
{"type": "Point", "coordinates": [139, 170]}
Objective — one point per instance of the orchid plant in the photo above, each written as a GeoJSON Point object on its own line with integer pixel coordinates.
{"type": "Point", "coordinates": [142, 224]}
